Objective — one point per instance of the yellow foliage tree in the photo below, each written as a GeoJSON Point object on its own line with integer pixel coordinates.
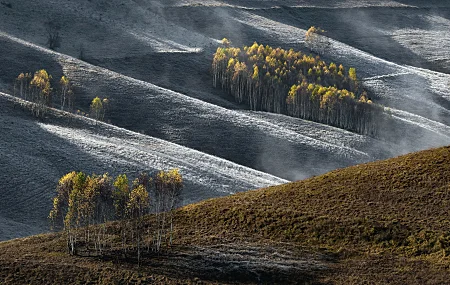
{"type": "Point", "coordinates": [42, 91]}
{"type": "Point", "coordinates": [316, 41]}
{"type": "Point", "coordinates": [96, 108]}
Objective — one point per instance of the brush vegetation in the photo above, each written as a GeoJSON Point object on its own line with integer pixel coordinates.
{"type": "Point", "coordinates": [381, 222]}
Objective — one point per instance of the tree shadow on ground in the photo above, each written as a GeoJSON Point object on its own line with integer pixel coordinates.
{"type": "Point", "coordinates": [236, 263]}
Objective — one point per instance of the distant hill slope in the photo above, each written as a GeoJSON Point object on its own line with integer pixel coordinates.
{"type": "Point", "coordinates": [378, 223]}
{"type": "Point", "coordinates": [170, 43]}
{"type": "Point", "coordinates": [35, 154]}
{"type": "Point", "coordinates": [288, 148]}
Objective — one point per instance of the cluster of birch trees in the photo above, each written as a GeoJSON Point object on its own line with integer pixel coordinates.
{"type": "Point", "coordinates": [83, 201]}
{"type": "Point", "coordinates": [289, 82]}
{"type": "Point", "coordinates": [37, 88]}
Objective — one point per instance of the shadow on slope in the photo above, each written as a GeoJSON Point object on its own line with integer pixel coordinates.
{"type": "Point", "coordinates": [31, 164]}
{"type": "Point", "coordinates": [37, 154]}
{"type": "Point", "coordinates": [171, 116]}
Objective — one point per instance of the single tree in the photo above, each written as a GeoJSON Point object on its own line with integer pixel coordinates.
{"type": "Point", "coordinates": [61, 200]}
{"type": "Point", "coordinates": [20, 80]}
{"type": "Point", "coordinates": [167, 191]}
{"type": "Point", "coordinates": [96, 108]}
{"type": "Point", "coordinates": [316, 41]}
{"type": "Point", "coordinates": [137, 207]}
{"type": "Point", "coordinates": [225, 42]}
{"type": "Point", "coordinates": [105, 105]}
{"type": "Point", "coordinates": [53, 37]}
{"type": "Point", "coordinates": [121, 194]}
{"type": "Point", "coordinates": [66, 91]}
{"type": "Point", "coordinates": [75, 214]}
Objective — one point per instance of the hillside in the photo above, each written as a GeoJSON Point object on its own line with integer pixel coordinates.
{"type": "Point", "coordinates": [152, 59]}
{"type": "Point", "coordinates": [171, 43]}
{"type": "Point", "coordinates": [36, 154]}
{"type": "Point", "coordinates": [381, 222]}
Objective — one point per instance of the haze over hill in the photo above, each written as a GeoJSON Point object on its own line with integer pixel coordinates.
{"type": "Point", "coordinates": [152, 59]}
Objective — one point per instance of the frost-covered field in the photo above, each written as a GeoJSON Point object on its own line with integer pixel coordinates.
{"type": "Point", "coordinates": [35, 154]}
{"type": "Point", "coordinates": [152, 59]}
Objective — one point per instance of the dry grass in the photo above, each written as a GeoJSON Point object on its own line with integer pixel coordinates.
{"type": "Point", "coordinates": [382, 222]}
{"type": "Point", "coordinates": [377, 204]}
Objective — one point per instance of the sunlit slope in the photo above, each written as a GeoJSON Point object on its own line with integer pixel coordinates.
{"type": "Point", "coordinates": [379, 64]}
{"type": "Point", "coordinates": [388, 220]}
{"type": "Point", "coordinates": [170, 43]}
{"type": "Point", "coordinates": [277, 146]}
{"type": "Point", "coordinates": [403, 196]}
{"type": "Point", "coordinates": [35, 154]}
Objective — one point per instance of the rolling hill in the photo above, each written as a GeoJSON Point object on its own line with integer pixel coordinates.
{"type": "Point", "coordinates": [381, 222]}
{"type": "Point", "coordinates": [152, 59]}
{"type": "Point", "coordinates": [36, 154]}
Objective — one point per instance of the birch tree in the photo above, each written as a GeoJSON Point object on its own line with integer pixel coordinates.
{"type": "Point", "coordinates": [121, 195]}
{"type": "Point", "coordinates": [168, 188]}
{"type": "Point", "coordinates": [66, 92]}
{"type": "Point", "coordinates": [316, 41]}
{"type": "Point", "coordinates": [96, 108]}
{"type": "Point", "coordinates": [137, 207]}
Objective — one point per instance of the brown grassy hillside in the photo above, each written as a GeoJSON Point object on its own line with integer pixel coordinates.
{"type": "Point", "coordinates": [377, 204]}
{"type": "Point", "coordinates": [378, 223]}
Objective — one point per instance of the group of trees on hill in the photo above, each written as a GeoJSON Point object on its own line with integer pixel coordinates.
{"type": "Point", "coordinates": [38, 89]}
{"type": "Point", "coordinates": [293, 83]}
{"type": "Point", "coordinates": [83, 200]}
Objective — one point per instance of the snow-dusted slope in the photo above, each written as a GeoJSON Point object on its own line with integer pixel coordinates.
{"type": "Point", "coordinates": [35, 154]}
{"type": "Point", "coordinates": [266, 143]}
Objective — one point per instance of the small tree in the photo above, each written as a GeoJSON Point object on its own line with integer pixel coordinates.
{"type": "Point", "coordinates": [168, 187]}
{"type": "Point", "coordinates": [66, 91]}
{"type": "Point", "coordinates": [74, 216]}
{"type": "Point", "coordinates": [121, 194]}
{"type": "Point", "coordinates": [137, 206]}
{"type": "Point", "coordinates": [20, 80]}
{"type": "Point", "coordinates": [316, 41]}
{"type": "Point", "coordinates": [175, 188]}
{"type": "Point", "coordinates": [53, 38]}
{"type": "Point", "coordinates": [225, 42]}
{"type": "Point", "coordinates": [97, 108]}
{"type": "Point", "coordinates": [70, 99]}
{"type": "Point", "coordinates": [100, 206]}
{"type": "Point", "coordinates": [61, 201]}
{"type": "Point", "coordinates": [105, 105]}
{"type": "Point", "coordinates": [353, 79]}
